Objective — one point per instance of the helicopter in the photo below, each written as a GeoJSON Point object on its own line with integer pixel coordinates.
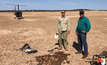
{"type": "Point", "coordinates": [17, 12]}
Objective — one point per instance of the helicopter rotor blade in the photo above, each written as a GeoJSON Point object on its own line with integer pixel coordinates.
{"type": "Point", "coordinates": [23, 5]}
{"type": "Point", "coordinates": [11, 4]}
{"type": "Point", "coordinates": [16, 5]}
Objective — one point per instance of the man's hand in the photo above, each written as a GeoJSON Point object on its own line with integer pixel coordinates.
{"type": "Point", "coordinates": [76, 33]}
{"type": "Point", "coordinates": [83, 31]}
{"type": "Point", "coordinates": [68, 32]}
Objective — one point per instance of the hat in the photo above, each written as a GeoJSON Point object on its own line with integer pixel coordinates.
{"type": "Point", "coordinates": [81, 12]}
{"type": "Point", "coordinates": [56, 35]}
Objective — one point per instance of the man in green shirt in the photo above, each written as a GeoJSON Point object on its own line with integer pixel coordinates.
{"type": "Point", "coordinates": [63, 29]}
{"type": "Point", "coordinates": [82, 29]}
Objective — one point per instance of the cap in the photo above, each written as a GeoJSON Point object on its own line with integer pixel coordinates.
{"type": "Point", "coordinates": [56, 35]}
{"type": "Point", "coordinates": [63, 11]}
{"type": "Point", "coordinates": [81, 12]}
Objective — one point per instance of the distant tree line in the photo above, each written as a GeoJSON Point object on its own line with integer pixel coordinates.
{"type": "Point", "coordinates": [49, 10]}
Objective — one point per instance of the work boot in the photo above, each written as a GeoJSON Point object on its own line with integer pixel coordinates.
{"type": "Point", "coordinates": [60, 47]}
{"type": "Point", "coordinates": [66, 49]}
{"type": "Point", "coordinates": [78, 52]}
{"type": "Point", "coordinates": [84, 56]}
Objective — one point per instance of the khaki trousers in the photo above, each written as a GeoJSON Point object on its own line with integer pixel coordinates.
{"type": "Point", "coordinates": [64, 34]}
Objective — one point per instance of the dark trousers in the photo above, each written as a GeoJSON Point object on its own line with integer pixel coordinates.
{"type": "Point", "coordinates": [82, 41]}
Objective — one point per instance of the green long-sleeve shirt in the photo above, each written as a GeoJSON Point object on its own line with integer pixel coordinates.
{"type": "Point", "coordinates": [83, 24]}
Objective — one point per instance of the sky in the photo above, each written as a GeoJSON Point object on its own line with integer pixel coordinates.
{"type": "Point", "coordinates": [54, 4]}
